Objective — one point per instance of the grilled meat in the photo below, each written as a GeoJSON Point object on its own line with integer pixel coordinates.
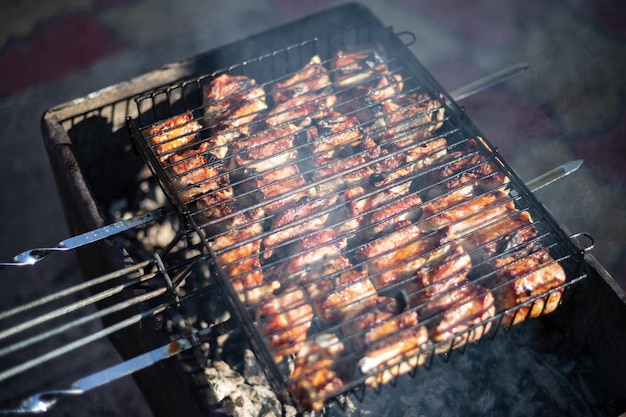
{"type": "Point", "coordinates": [366, 71]}
{"type": "Point", "coordinates": [347, 240]}
{"type": "Point", "coordinates": [296, 222]}
{"type": "Point", "coordinates": [405, 120]}
{"type": "Point", "coordinates": [395, 256]}
{"type": "Point", "coordinates": [237, 251]}
{"type": "Point", "coordinates": [317, 372]}
{"type": "Point", "coordinates": [334, 134]}
{"type": "Point", "coordinates": [278, 188]}
{"type": "Point", "coordinates": [334, 286]}
{"type": "Point", "coordinates": [464, 169]}
{"type": "Point", "coordinates": [521, 277]}
{"type": "Point", "coordinates": [196, 172]}
{"type": "Point", "coordinates": [173, 134]}
{"type": "Point", "coordinates": [267, 149]}
{"type": "Point", "coordinates": [310, 250]}
{"type": "Point", "coordinates": [448, 302]}
{"type": "Point", "coordinates": [464, 213]}
{"type": "Point", "coordinates": [302, 110]}
{"type": "Point", "coordinates": [232, 103]}
{"type": "Point", "coordinates": [312, 77]}
{"type": "Point", "coordinates": [391, 339]}
{"type": "Point", "coordinates": [341, 153]}
{"type": "Point", "coordinates": [374, 210]}
{"type": "Point", "coordinates": [364, 80]}
{"type": "Point", "coordinates": [502, 236]}
{"type": "Point", "coordinates": [285, 321]}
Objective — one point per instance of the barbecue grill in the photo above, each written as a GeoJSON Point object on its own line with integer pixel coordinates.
{"type": "Point", "coordinates": [268, 58]}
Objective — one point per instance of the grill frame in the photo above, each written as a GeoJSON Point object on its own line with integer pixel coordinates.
{"type": "Point", "coordinates": [175, 99]}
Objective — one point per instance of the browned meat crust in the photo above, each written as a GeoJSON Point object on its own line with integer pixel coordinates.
{"type": "Point", "coordinates": [394, 257]}
{"type": "Point", "coordinates": [232, 103]}
{"type": "Point", "coordinates": [173, 134]}
{"type": "Point", "coordinates": [296, 222]}
{"type": "Point", "coordinates": [312, 77]}
{"type": "Point", "coordinates": [334, 286]}
{"type": "Point", "coordinates": [404, 121]}
{"type": "Point", "coordinates": [463, 213]}
{"type": "Point", "coordinates": [392, 339]}
{"type": "Point", "coordinates": [237, 251]}
{"type": "Point", "coordinates": [455, 309]}
{"type": "Point", "coordinates": [301, 110]}
{"type": "Point", "coordinates": [523, 276]}
{"type": "Point", "coordinates": [196, 172]}
{"type": "Point", "coordinates": [317, 374]}
{"type": "Point", "coordinates": [285, 321]}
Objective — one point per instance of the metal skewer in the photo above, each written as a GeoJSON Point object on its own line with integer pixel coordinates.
{"type": "Point", "coordinates": [553, 175]}
{"type": "Point", "coordinates": [42, 402]}
{"type": "Point", "coordinates": [32, 256]}
{"type": "Point", "coordinates": [488, 81]}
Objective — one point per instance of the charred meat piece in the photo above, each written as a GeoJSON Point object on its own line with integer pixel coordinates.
{"type": "Point", "coordinates": [173, 134]}
{"type": "Point", "coordinates": [195, 172]}
{"type": "Point", "coordinates": [302, 110]}
{"type": "Point", "coordinates": [278, 188]}
{"type": "Point", "coordinates": [312, 77]}
{"type": "Point", "coordinates": [404, 164]}
{"type": "Point", "coordinates": [334, 134]}
{"type": "Point", "coordinates": [334, 286]}
{"type": "Point", "coordinates": [266, 149]}
{"type": "Point", "coordinates": [375, 210]}
{"type": "Point", "coordinates": [396, 256]}
{"type": "Point", "coordinates": [462, 218]}
{"type": "Point", "coordinates": [308, 251]}
{"type": "Point", "coordinates": [237, 251]}
{"type": "Point", "coordinates": [343, 157]}
{"type": "Point", "coordinates": [354, 66]}
{"type": "Point", "coordinates": [392, 339]}
{"type": "Point", "coordinates": [366, 70]}
{"type": "Point", "coordinates": [364, 80]}
{"type": "Point", "coordinates": [317, 373]}
{"type": "Point", "coordinates": [214, 212]}
{"type": "Point", "coordinates": [470, 168]}
{"type": "Point", "coordinates": [285, 321]}
{"type": "Point", "coordinates": [406, 120]}
{"type": "Point", "coordinates": [232, 103]}
{"type": "Point", "coordinates": [504, 235]}
{"type": "Point", "coordinates": [455, 309]}
{"type": "Point", "coordinates": [295, 222]}
{"type": "Point", "coordinates": [523, 276]}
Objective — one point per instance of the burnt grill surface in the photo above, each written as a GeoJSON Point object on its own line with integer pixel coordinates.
{"type": "Point", "coordinates": [327, 339]}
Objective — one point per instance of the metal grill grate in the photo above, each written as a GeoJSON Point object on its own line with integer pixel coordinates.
{"type": "Point", "coordinates": [398, 233]}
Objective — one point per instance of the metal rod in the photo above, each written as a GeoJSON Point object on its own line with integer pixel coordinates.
{"type": "Point", "coordinates": [488, 81]}
{"type": "Point", "coordinates": [553, 175]}
{"type": "Point", "coordinates": [42, 402]}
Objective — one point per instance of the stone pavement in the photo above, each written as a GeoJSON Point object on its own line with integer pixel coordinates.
{"type": "Point", "coordinates": [569, 105]}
